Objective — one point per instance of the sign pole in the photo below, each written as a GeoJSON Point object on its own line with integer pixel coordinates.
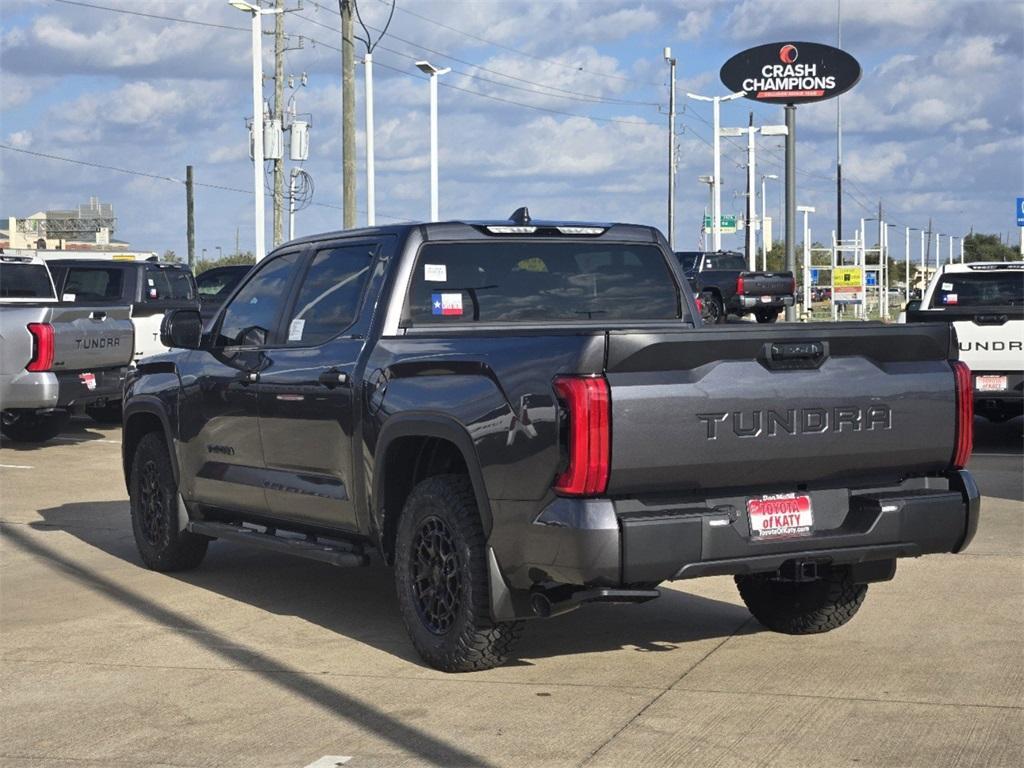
{"type": "Point", "coordinates": [791, 198]}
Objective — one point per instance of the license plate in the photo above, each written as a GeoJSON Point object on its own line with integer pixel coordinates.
{"type": "Point", "coordinates": [779, 515]}
{"type": "Point", "coordinates": [89, 379]}
{"type": "Point", "coordinates": [990, 383]}
{"type": "Point", "coordinates": [766, 299]}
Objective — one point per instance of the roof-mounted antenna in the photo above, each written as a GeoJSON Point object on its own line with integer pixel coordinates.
{"type": "Point", "coordinates": [521, 216]}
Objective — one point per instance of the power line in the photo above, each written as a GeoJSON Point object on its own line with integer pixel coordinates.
{"type": "Point", "coordinates": [150, 15]}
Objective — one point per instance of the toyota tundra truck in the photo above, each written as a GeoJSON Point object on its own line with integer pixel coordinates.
{"type": "Point", "coordinates": [522, 417]}
{"type": "Point", "coordinates": [984, 302]}
{"type": "Point", "coordinates": [726, 287]}
{"type": "Point", "coordinates": [54, 358]}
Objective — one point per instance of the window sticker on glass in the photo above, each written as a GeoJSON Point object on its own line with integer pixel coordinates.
{"type": "Point", "coordinates": [951, 298]}
{"type": "Point", "coordinates": [447, 304]}
{"type": "Point", "coordinates": [295, 329]}
{"type": "Point", "coordinates": [435, 273]}
{"type": "Point", "coordinates": [947, 286]}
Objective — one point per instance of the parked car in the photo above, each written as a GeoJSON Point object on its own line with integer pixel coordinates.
{"type": "Point", "coordinates": [727, 287]}
{"type": "Point", "coordinates": [54, 357]}
{"type": "Point", "coordinates": [215, 285]}
{"type": "Point", "coordinates": [984, 302]}
{"type": "Point", "coordinates": [522, 417]}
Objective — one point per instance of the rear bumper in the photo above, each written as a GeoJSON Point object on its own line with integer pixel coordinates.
{"type": "Point", "coordinates": [75, 391]}
{"type": "Point", "coordinates": [605, 543]}
{"type": "Point", "coordinates": [28, 390]}
{"type": "Point", "coordinates": [755, 302]}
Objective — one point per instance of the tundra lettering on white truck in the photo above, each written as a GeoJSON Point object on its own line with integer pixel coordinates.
{"type": "Point", "coordinates": [984, 302]}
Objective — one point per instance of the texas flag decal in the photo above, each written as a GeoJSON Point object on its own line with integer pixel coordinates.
{"type": "Point", "coordinates": [447, 303]}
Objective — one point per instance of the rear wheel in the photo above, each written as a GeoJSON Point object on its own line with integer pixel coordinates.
{"type": "Point", "coordinates": [442, 579]}
{"type": "Point", "coordinates": [766, 315]}
{"type": "Point", "coordinates": [802, 608]}
{"type": "Point", "coordinates": [713, 311]}
{"type": "Point", "coordinates": [154, 506]}
{"type": "Point", "coordinates": [31, 427]}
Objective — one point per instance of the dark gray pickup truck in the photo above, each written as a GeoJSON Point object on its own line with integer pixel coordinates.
{"type": "Point", "coordinates": [522, 417]}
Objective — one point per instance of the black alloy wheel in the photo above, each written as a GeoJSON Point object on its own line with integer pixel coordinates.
{"type": "Point", "coordinates": [436, 576]}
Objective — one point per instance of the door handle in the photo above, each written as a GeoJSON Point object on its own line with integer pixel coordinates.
{"type": "Point", "coordinates": [333, 378]}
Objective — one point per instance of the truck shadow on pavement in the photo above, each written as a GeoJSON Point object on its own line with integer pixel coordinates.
{"type": "Point", "coordinates": [77, 431]}
{"type": "Point", "coordinates": [360, 603]}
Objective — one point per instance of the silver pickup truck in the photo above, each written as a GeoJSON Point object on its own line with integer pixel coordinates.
{"type": "Point", "coordinates": [54, 358]}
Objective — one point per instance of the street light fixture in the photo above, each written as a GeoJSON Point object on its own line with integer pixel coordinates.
{"type": "Point", "coordinates": [671, 148]}
{"type": "Point", "coordinates": [716, 212]}
{"type": "Point", "coordinates": [257, 14]}
{"type": "Point", "coordinates": [429, 69]}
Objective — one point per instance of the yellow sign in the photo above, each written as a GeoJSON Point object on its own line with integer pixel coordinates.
{"type": "Point", "coordinates": [848, 277]}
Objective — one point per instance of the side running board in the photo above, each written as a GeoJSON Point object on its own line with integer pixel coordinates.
{"type": "Point", "coordinates": [338, 553]}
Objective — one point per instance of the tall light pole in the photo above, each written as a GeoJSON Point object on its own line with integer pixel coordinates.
{"type": "Point", "coordinates": [764, 218]}
{"type": "Point", "coordinates": [371, 191]}
{"type": "Point", "coordinates": [671, 149]}
{"type": "Point", "coordinates": [428, 68]}
{"type": "Point", "coordinates": [710, 181]}
{"type": "Point", "coordinates": [257, 14]}
{"type": "Point", "coordinates": [806, 210]}
{"type": "Point", "coordinates": [220, 253]}
{"type": "Point", "coordinates": [716, 213]}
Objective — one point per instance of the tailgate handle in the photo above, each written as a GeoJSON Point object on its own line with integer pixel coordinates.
{"type": "Point", "coordinates": [97, 315]}
{"type": "Point", "coordinates": [795, 355]}
{"type": "Point", "coordinates": [990, 319]}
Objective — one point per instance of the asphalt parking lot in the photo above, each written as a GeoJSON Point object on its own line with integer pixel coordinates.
{"type": "Point", "coordinates": [258, 660]}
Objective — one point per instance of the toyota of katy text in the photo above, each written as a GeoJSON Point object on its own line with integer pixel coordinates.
{"type": "Point", "coordinates": [522, 417]}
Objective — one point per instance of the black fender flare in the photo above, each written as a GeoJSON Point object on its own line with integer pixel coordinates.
{"type": "Point", "coordinates": [153, 406]}
{"type": "Point", "coordinates": [429, 425]}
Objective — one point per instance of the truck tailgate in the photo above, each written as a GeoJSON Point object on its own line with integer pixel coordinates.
{"type": "Point", "coordinates": [767, 283]}
{"type": "Point", "coordinates": [779, 408]}
{"type": "Point", "coordinates": [87, 338]}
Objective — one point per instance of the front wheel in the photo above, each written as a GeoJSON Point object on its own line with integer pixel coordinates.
{"type": "Point", "coordinates": [766, 315]}
{"type": "Point", "coordinates": [442, 579]}
{"type": "Point", "coordinates": [802, 608]}
{"type": "Point", "coordinates": [31, 427]}
{"type": "Point", "coordinates": [162, 545]}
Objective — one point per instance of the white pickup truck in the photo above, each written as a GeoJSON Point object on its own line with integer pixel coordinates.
{"type": "Point", "coordinates": [54, 357]}
{"type": "Point", "coordinates": [985, 303]}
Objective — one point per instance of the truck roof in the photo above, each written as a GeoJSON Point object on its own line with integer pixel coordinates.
{"type": "Point", "coordinates": [983, 266]}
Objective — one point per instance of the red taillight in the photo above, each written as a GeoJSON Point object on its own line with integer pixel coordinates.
{"type": "Point", "coordinates": [739, 284]}
{"type": "Point", "coordinates": [587, 402]}
{"type": "Point", "coordinates": [964, 415]}
{"type": "Point", "coordinates": [700, 305]}
{"type": "Point", "coordinates": [42, 347]}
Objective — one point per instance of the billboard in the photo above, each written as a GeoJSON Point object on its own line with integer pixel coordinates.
{"type": "Point", "coordinates": [791, 73]}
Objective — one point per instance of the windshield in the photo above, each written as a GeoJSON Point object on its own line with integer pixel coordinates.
{"type": "Point", "coordinates": [503, 282]}
{"type": "Point", "coordinates": [24, 281]}
{"type": "Point", "coordinates": [980, 289]}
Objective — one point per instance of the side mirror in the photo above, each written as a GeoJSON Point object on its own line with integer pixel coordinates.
{"type": "Point", "coordinates": [913, 305]}
{"type": "Point", "coordinates": [181, 328]}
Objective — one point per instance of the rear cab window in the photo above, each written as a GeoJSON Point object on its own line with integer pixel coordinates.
{"type": "Point", "coordinates": [95, 283]}
{"type": "Point", "coordinates": [540, 282]}
{"type": "Point", "coordinates": [726, 261]}
{"type": "Point", "coordinates": [168, 284]}
{"type": "Point", "coordinates": [978, 289]}
{"type": "Point", "coordinates": [25, 281]}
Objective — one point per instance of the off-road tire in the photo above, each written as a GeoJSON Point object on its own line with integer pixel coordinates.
{"type": "Point", "coordinates": [154, 509]}
{"type": "Point", "coordinates": [465, 639]}
{"type": "Point", "coordinates": [802, 608]}
{"type": "Point", "coordinates": [766, 315]}
{"type": "Point", "coordinates": [714, 310]}
{"type": "Point", "coordinates": [104, 414]}
{"type": "Point", "coordinates": [28, 427]}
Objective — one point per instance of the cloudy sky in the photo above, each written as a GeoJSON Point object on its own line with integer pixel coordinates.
{"type": "Point", "coordinates": [555, 104]}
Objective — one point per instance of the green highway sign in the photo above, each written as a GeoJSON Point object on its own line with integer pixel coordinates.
{"type": "Point", "coordinates": [727, 224]}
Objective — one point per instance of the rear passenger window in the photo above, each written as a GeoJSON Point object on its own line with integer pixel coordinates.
{"type": "Point", "coordinates": [330, 295]}
{"type": "Point", "coordinates": [93, 283]}
{"type": "Point", "coordinates": [507, 282]}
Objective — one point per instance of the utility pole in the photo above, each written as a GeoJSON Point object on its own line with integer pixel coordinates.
{"type": "Point", "coordinates": [279, 117]}
{"type": "Point", "coordinates": [791, 198]}
{"type": "Point", "coordinates": [190, 225]}
{"type": "Point", "coordinates": [751, 193]}
{"type": "Point", "coordinates": [671, 149]}
{"type": "Point", "coordinates": [839, 132]}
{"type": "Point", "coordinates": [348, 113]}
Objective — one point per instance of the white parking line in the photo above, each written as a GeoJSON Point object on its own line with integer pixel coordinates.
{"type": "Point", "coordinates": [85, 440]}
{"type": "Point", "coordinates": [15, 466]}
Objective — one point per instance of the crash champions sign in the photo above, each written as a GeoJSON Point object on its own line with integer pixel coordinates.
{"type": "Point", "coordinates": [791, 73]}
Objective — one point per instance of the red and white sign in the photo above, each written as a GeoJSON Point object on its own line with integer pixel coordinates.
{"type": "Point", "coordinates": [991, 383]}
{"type": "Point", "coordinates": [784, 514]}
